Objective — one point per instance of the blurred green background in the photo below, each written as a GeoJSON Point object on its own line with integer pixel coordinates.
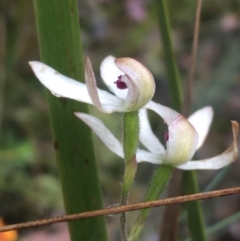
{"type": "Point", "coordinates": [29, 185]}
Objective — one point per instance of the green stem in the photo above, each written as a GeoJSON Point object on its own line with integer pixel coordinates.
{"type": "Point", "coordinates": [195, 216]}
{"type": "Point", "coordinates": [60, 47]}
{"type": "Point", "coordinates": [130, 134]}
{"type": "Point", "coordinates": [130, 143]}
{"type": "Point", "coordinates": [157, 184]}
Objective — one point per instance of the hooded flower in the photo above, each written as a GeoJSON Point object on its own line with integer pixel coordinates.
{"type": "Point", "coordinates": [133, 88]}
{"type": "Point", "coordinates": [183, 138]}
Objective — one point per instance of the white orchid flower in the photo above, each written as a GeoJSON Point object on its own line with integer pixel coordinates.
{"type": "Point", "coordinates": [184, 137]}
{"type": "Point", "coordinates": [131, 82]}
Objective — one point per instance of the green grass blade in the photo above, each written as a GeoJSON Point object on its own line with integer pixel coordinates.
{"type": "Point", "coordinates": [60, 47]}
{"type": "Point", "coordinates": [170, 63]}
{"type": "Point", "coordinates": [221, 225]}
{"type": "Point", "coordinates": [217, 179]}
{"type": "Point", "coordinates": [195, 215]}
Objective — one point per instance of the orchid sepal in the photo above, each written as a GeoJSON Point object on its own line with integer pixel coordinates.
{"type": "Point", "coordinates": [102, 132]}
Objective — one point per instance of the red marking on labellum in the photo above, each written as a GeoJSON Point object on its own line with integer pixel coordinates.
{"type": "Point", "coordinates": [166, 136]}
{"type": "Point", "coordinates": [120, 84]}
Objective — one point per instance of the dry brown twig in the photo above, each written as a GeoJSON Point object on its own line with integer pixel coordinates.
{"type": "Point", "coordinates": [188, 93]}
{"type": "Point", "coordinates": [119, 209]}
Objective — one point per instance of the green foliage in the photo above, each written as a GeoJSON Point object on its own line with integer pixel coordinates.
{"type": "Point", "coordinates": [26, 191]}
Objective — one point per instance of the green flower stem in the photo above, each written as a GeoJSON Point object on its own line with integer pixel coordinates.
{"type": "Point", "coordinates": [130, 134]}
{"type": "Point", "coordinates": [60, 47]}
{"type": "Point", "coordinates": [195, 216]}
{"type": "Point", "coordinates": [130, 144]}
{"type": "Point", "coordinates": [157, 184]}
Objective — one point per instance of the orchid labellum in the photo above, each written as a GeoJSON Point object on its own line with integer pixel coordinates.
{"type": "Point", "coordinates": [133, 88]}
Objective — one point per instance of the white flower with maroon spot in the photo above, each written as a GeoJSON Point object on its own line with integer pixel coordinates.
{"type": "Point", "coordinates": [133, 88]}
{"type": "Point", "coordinates": [183, 138]}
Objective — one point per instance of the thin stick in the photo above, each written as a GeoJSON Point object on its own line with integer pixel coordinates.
{"type": "Point", "coordinates": [3, 57]}
{"type": "Point", "coordinates": [188, 94]}
{"type": "Point", "coordinates": [125, 208]}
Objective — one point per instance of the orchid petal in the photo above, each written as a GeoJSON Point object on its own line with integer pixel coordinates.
{"type": "Point", "coordinates": [110, 73]}
{"type": "Point", "coordinates": [102, 132]}
{"type": "Point", "coordinates": [201, 121]}
{"type": "Point", "coordinates": [140, 83]}
{"type": "Point", "coordinates": [63, 86]}
{"type": "Point", "coordinates": [146, 136]}
{"type": "Point", "coordinates": [219, 161]}
{"type": "Point", "coordinates": [183, 138]}
{"type": "Point", "coordinates": [145, 156]}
